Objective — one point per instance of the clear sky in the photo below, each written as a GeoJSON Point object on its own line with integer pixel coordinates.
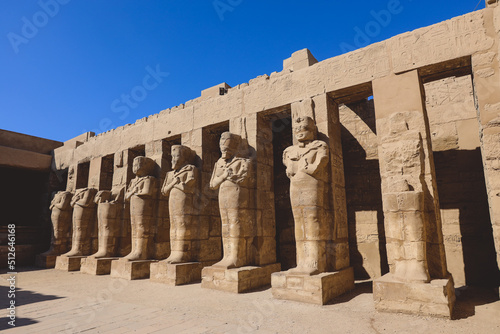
{"type": "Point", "coordinates": [71, 66]}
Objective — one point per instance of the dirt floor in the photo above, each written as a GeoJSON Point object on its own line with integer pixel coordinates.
{"type": "Point", "coordinates": [51, 301]}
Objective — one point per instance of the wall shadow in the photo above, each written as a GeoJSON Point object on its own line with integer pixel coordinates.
{"type": "Point", "coordinates": [466, 219]}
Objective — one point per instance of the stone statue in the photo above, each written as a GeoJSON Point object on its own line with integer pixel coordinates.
{"type": "Point", "coordinates": [109, 209]}
{"type": "Point", "coordinates": [306, 166]}
{"type": "Point", "coordinates": [141, 192]}
{"type": "Point", "coordinates": [181, 185]}
{"type": "Point", "coordinates": [61, 223]}
{"type": "Point", "coordinates": [232, 176]}
{"type": "Point", "coordinates": [83, 220]}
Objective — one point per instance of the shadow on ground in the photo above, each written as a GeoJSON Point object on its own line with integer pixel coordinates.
{"type": "Point", "coordinates": [470, 297]}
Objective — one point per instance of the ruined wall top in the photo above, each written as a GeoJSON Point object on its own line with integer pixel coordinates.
{"type": "Point", "coordinates": [433, 49]}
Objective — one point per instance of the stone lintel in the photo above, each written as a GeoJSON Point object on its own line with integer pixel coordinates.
{"type": "Point", "coordinates": [316, 289]}
{"type": "Point", "coordinates": [435, 298]}
{"type": "Point", "coordinates": [238, 280]}
{"type": "Point", "coordinates": [93, 266]}
{"type": "Point", "coordinates": [68, 263]}
{"type": "Point", "coordinates": [130, 270]}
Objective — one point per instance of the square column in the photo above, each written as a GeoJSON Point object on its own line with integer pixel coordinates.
{"type": "Point", "coordinates": [486, 81]}
{"type": "Point", "coordinates": [412, 220]}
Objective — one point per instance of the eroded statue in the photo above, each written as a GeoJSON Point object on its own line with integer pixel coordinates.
{"type": "Point", "coordinates": [141, 192]}
{"type": "Point", "coordinates": [83, 221]}
{"type": "Point", "coordinates": [181, 186]}
{"type": "Point", "coordinates": [61, 223]}
{"type": "Point", "coordinates": [109, 209]}
{"type": "Point", "coordinates": [232, 176]}
{"type": "Point", "coordinates": [306, 166]}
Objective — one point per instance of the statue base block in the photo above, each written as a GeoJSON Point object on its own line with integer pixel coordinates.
{"type": "Point", "coordinates": [68, 263]}
{"type": "Point", "coordinates": [238, 280]}
{"type": "Point", "coordinates": [435, 298]}
{"type": "Point", "coordinates": [177, 273]}
{"type": "Point", "coordinates": [45, 261]}
{"type": "Point", "coordinates": [316, 289]}
{"type": "Point", "coordinates": [130, 270]}
{"type": "Point", "coordinates": [93, 266]}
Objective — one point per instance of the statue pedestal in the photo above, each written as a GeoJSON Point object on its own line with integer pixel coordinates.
{"type": "Point", "coordinates": [69, 263]}
{"type": "Point", "coordinates": [435, 298]}
{"type": "Point", "coordinates": [93, 266]}
{"type": "Point", "coordinates": [238, 280]}
{"type": "Point", "coordinates": [130, 270]}
{"type": "Point", "coordinates": [177, 273]}
{"type": "Point", "coordinates": [45, 261]}
{"type": "Point", "coordinates": [316, 289]}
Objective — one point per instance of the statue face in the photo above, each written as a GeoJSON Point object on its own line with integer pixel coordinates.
{"type": "Point", "coordinates": [177, 157]}
{"type": "Point", "coordinates": [227, 147]}
{"type": "Point", "coordinates": [139, 166]}
{"type": "Point", "coordinates": [304, 130]}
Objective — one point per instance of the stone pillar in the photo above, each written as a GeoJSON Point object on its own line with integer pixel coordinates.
{"type": "Point", "coordinates": [418, 281]}
{"type": "Point", "coordinates": [486, 81]}
{"type": "Point", "coordinates": [159, 152]}
{"type": "Point", "coordinates": [261, 252]}
{"type": "Point", "coordinates": [332, 276]}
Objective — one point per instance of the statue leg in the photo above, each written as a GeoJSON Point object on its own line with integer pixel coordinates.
{"type": "Point", "coordinates": [76, 241]}
{"type": "Point", "coordinates": [178, 253]}
{"type": "Point", "coordinates": [103, 239]}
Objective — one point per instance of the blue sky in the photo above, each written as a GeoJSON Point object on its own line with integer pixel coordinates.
{"type": "Point", "coordinates": [70, 66]}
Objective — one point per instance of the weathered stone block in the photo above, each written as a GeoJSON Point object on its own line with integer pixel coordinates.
{"type": "Point", "coordinates": [238, 280]}
{"type": "Point", "coordinates": [131, 270]}
{"type": "Point", "coordinates": [68, 263]}
{"type": "Point", "coordinates": [436, 298]}
{"type": "Point", "coordinates": [316, 289]}
{"type": "Point", "coordinates": [93, 266]}
{"type": "Point", "coordinates": [45, 261]}
{"type": "Point", "coordinates": [176, 273]}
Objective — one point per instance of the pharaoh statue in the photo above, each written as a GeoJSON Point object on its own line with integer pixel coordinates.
{"type": "Point", "coordinates": [306, 166]}
{"type": "Point", "coordinates": [232, 176]}
{"type": "Point", "coordinates": [83, 221]}
{"type": "Point", "coordinates": [181, 186]}
{"type": "Point", "coordinates": [141, 194]}
{"type": "Point", "coordinates": [61, 223]}
{"type": "Point", "coordinates": [109, 209]}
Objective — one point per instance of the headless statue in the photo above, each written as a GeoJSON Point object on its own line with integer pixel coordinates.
{"type": "Point", "coordinates": [83, 221]}
{"type": "Point", "coordinates": [109, 208]}
{"type": "Point", "coordinates": [61, 223]}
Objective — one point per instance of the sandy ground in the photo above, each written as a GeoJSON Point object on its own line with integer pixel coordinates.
{"type": "Point", "coordinates": [51, 301]}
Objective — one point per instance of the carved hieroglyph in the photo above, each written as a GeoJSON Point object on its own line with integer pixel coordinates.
{"type": "Point", "coordinates": [109, 209]}
{"type": "Point", "coordinates": [232, 176]}
{"type": "Point", "coordinates": [306, 166]}
{"type": "Point", "coordinates": [83, 221]}
{"type": "Point", "coordinates": [181, 185]}
{"type": "Point", "coordinates": [61, 223]}
{"type": "Point", "coordinates": [141, 194]}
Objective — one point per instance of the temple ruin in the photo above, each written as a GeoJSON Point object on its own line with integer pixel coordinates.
{"type": "Point", "coordinates": [382, 163]}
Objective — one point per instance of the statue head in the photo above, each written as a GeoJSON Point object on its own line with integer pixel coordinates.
{"type": "Point", "coordinates": [305, 129]}
{"type": "Point", "coordinates": [142, 166]}
{"type": "Point", "coordinates": [181, 155]}
{"type": "Point", "coordinates": [229, 144]}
